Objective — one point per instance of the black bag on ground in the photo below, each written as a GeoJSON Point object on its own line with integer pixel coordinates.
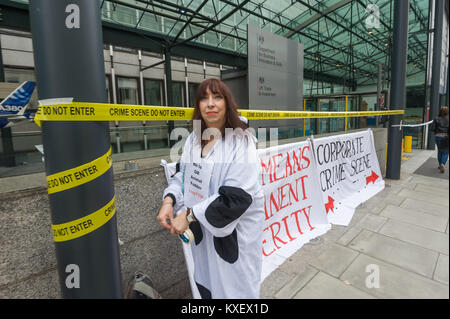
{"type": "Point", "coordinates": [140, 286]}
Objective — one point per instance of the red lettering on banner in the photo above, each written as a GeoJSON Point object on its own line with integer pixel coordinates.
{"type": "Point", "coordinates": [296, 219]}
{"type": "Point", "coordinates": [303, 185]}
{"type": "Point", "coordinates": [288, 165]}
{"type": "Point", "coordinates": [305, 158]}
{"type": "Point", "coordinates": [266, 170]}
{"type": "Point", "coordinates": [287, 228]}
{"type": "Point", "coordinates": [289, 223]}
{"type": "Point", "coordinates": [275, 168]}
{"type": "Point", "coordinates": [280, 236]}
{"type": "Point", "coordinates": [292, 165]}
{"type": "Point", "coordinates": [307, 216]}
{"type": "Point", "coordinates": [271, 201]}
{"type": "Point", "coordinates": [284, 197]}
{"type": "Point", "coordinates": [265, 241]}
{"type": "Point", "coordinates": [296, 160]}
{"type": "Point", "coordinates": [275, 236]}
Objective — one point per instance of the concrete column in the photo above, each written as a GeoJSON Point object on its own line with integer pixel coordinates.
{"type": "Point", "coordinates": [7, 158]}
{"type": "Point", "coordinates": [435, 102]}
{"type": "Point", "coordinates": [398, 93]}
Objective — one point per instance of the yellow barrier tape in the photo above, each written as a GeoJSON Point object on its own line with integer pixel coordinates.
{"type": "Point", "coordinates": [261, 114]}
{"type": "Point", "coordinates": [79, 175]}
{"type": "Point", "coordinates": [80, 111]}
{"type": "Point", "coordinates": [86, 224]}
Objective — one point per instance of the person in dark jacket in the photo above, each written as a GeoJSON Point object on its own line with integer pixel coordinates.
{"type": "Point", "coordinates": [440, 129]}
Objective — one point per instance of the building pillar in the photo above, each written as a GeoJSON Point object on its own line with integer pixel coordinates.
{"type": "Point", "coordinates": [398, 85]}
{"type": "Point", "coordinates": [435, 98]}
{"type": "Point", "coordinates": [68, 55]}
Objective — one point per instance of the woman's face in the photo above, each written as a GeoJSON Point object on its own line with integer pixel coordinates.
{"type": "Point", "coordinates": [213, 109]}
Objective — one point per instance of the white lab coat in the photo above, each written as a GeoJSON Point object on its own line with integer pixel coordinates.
{"type": "Point", "coordinates": [227, 251]}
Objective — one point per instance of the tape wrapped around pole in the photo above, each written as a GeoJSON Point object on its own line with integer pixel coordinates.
{"type": "Point", "coordinates": [68, 55]}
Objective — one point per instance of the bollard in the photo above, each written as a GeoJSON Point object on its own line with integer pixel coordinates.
{"type": "Point", "coordinates": [401, 154]}
{"type": "Point", "coordinates": [408, 144]}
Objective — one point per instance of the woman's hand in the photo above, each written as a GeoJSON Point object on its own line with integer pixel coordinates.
{"type": "Point", "coordinates": [166, 213]}
{"type": "Point", "coordinates": [179, 224]}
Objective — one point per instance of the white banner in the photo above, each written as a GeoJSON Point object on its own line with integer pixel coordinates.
{"type": "Point", "coordinates": [348, 173]}
{"type": "Point", "coordinates": [307, 186]}
{"type": "Point", "coordinates": [293, 207]}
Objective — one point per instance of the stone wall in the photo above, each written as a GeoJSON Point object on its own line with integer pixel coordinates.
{"type": "Point", "coordinates": [27, 259]}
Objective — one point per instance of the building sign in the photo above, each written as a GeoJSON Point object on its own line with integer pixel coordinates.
{"type": "Point", "coordinates": [275, 71]}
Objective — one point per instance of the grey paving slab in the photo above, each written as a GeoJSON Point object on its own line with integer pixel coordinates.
{"type": "Point", "coordinates": [324, 286]}
{"type": "Point", "coordinates": [297, 283]}
{"type": "Point", "coordinates": [394, 282]}
{"type": "Point", "coordinates": [392, 199]}
{"type": "Point", "coordinates": [373, 206]}
{"type": "Point", "coordinates": [411, 186]}
{"type": "Point", "coordinates": [348, 236]}
{"type": "Point", "coordinates": [334, 260]}
{"type": "Point", "coordinates": [360, 212]}
{"type": "Point", "coordinates": [429, 181]}
{"type": "Point", "coordinates": [371, 222]}
{"type": "Point", "coordinates": [298, 261]}
{"type": "Point", "coordinates": [274, 282]}
{"type": "Point", "coordinates": [44, 286]}
{"type": "Point", "coordinates": [433, 209]}
{"type": "Point", "coordinates": [417, 235]}
{"type": "Point", "coordinates": [415, 217]}
{"type": "Point", "coordinates": [441, 272]}
{"type": "Point", "coordinates": [400, 253]}
{"type": "Point", "coordinates": [441, 191]}
{"type": "Point", "coordinates": [424, 197]}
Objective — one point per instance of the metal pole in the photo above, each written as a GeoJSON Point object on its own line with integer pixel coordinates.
{"type": "Point", "coordinates": [380, 70]}
{"type": "Point", "coordinates": [435, 75]}
{"type": "Point", "coordinates": [7, 158]}
{"type": "Point", "coordinates": [114, 92]}
{"type": "Point", "coordinates": [304, 120]}
{"type": "Point", "coordinates": [447, 99]}
{"type": "Point", "coordinates": [346, 110]}
{"type": "Point", "coordinates": [398, 99]}
{"type": "Point", "coordinates": [168, 72]}
{"type": "Point", "coordinates": [68, 54]}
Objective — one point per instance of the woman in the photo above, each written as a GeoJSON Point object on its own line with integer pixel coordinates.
{"type": "Point", "coordinates": [222, 201]}
{"type": "Point", "coordinates": [440, 128]}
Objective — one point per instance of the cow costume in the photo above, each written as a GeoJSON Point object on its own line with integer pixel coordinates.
{"type": "Point", "coordinates": [223, 189]}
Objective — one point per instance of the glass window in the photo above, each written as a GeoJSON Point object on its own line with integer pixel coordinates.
{"type": "Point", "coordinates": [178, 94]}
{"type": "Point", "coordinates": [13, 75]}
{"type": "Point", "coordinates": [128, 91]}
{"type": "Point", "coordinates": [153, 92]}
{"type": "Point", "coordinates": [19, 75]}
{"type": "Point", "coordinates": [192, 90]}
{"type": "Point", "coordinates": [107, 89]}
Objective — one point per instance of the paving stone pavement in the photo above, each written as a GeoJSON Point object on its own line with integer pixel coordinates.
{"type": "Point", "coordinates": [401, 234]}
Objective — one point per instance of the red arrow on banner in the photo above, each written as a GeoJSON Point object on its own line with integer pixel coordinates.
{"type": "Point", "coordinates": [372, 178]}
{"type": "Point", "coordinates": [330, 205]}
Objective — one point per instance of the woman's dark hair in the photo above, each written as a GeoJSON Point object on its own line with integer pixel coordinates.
{"type": "Point", "coordinates": [216, 86]}
{"type": "Point", "coordinates": [443, 111]}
